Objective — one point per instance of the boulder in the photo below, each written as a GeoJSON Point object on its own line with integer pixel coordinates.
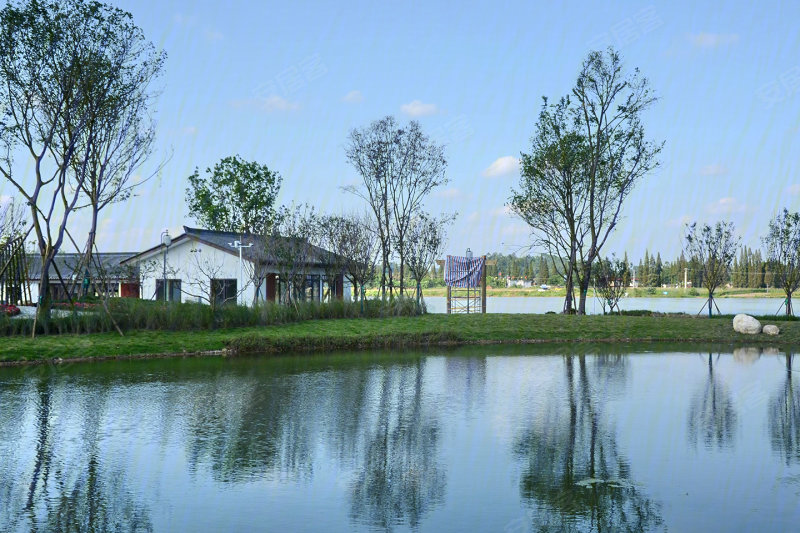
{"type": "Point", "coordinates": [747, 355]}
{"type": "Point", "coordinates": [771, 329]}
{"type": "Point", "coordinates": [746, 324]}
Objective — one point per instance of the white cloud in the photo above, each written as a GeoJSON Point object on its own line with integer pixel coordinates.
{"type": "Point", "coordinates": [713, 170]}
{"type": "Point", "coordinates": [502, 166]}
{"type": "Point", "coordinates": [268, 104]}
{"type": "Point", "coordinates": [416, 108]}
{"type": "Point", "coordinates": [189, 130]}
{"type": "Point", "coordinates": [794, 190]}
{"type": "Point", "coordinates": [713, 40]}
{"type": "Point", "coordinates": [726, 206]}
{"type": "Point", "coordinates": [353, 97]}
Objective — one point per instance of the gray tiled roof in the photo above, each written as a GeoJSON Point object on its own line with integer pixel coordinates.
{"type": "Point", "coordinates": [67, 263]}
{"type": "Point", "coordinates": [222, 240]}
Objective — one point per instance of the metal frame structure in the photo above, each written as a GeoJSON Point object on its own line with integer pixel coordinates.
{"type": "Point", "coordinates": [15, 285]}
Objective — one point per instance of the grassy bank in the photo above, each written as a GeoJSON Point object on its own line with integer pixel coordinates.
{"type": "Point", "coordinates": [396, 332]}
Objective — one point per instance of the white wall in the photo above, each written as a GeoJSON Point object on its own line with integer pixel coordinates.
{"type": "Point", "coordinates": [193, 269]}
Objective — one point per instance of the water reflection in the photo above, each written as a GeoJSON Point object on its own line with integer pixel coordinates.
{"type": "Point", "coordinates": [571, 438]}
{"type": "Point", "coordinates": [575, 478]}
{"type": "Point", "coordinates": [50, 490]}
{"type": "Point", "coordinates": [712, 417]}
{"type": "Point", "coordinates": [784, 417]}
{"type": "Point", "coordinates": [399, 477]}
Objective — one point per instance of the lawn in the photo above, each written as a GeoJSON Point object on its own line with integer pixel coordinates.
{"type": "Point", "coordinates": [395, 332]}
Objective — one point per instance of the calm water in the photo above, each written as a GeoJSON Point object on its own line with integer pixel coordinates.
{"type": "Point", "coordinates": [543, 304]}
{"type": "Point", "coordinates": [482, 439]}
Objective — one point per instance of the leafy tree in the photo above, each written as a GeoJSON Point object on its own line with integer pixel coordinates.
{"type": "Point", "coordinates": [783, 253]}
{"type": "Point", "coordinates": [609, 279]}
{"type": "Point", "coordinates": [589, 152]}
{"type": "Point", "coordinates": [551, 197]}
{"type": "Point", "coordinates": [69, 69]}
{"type": "Point", "coordinates": [713, 249]}
{"type": "Point", "coordinates": [398, 167]}
{"type": "Point", "coordinates": [236, 195]}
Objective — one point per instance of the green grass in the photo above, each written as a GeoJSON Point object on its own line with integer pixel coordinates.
{"type": "Point", "coordinates": [394, 332]}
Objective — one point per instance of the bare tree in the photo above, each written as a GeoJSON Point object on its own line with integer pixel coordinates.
{"type": "Point", "coordinates": [206, 285]}
{"type": "Point", "coordinates": [288, 247]}
{"type": "Point", "coordinates": [714, 249]}
{"type": "Point", "coordinates": [358, 247]}
{"type": "Point", "coordinates": [611, 281]}
{"type": "Point", "coordinates": [328, 237]}
{"type": "Point", "coordinates": [120, 130]}
{"type": "Point", "coordinates": [62, 66]}
{"type": "Point", "coordinates": [425, 242]}
{"type": "Point", "coordinates": [13, 221]}
{"type": "Point", "coordinates": [783, 253]}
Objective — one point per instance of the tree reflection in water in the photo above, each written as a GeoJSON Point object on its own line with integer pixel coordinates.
{"type": "Point", "coordinates": [74, 492]}
{"type": "Point", "coordinates": [712, 417]}
{"type": "Point", "coordinates": [574, 476]}
{"type": "Point", "coordinates": [784, 418]}
{"type": "Point", "coordinates": [399, 479]}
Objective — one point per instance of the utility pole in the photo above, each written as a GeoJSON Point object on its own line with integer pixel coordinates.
{"type": "Point", "coordinates": [239, 245]}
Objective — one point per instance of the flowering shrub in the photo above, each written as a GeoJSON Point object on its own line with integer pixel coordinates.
{"type": "Point", "coordinates": [78, 305]}
{"type": "Point", "coordinates": [9, 310]}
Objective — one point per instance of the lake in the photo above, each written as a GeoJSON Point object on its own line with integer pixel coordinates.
{"type": "Point", "coordinates": [514, 439]}
{"type": "Point", "coordinates": [543, 304]}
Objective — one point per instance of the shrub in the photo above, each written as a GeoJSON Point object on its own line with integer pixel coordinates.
{"type": "Point", "coordinates": [133, 314]}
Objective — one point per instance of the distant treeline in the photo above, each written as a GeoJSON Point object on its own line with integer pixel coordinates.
{"type": "Point", "coordinates": [749, 270]}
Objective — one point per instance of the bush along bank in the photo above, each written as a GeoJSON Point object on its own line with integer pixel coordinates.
{"type": "Point", "coordinates": [135, 315]}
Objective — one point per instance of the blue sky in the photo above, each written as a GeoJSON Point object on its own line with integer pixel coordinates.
{"type": "Point", "coordinates": [283, 83]}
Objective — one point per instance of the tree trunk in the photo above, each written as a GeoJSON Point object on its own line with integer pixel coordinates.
{"type": "Point", "coordinates": [710, 303]}
{"type": "Point", "coordinates": [789, 310]}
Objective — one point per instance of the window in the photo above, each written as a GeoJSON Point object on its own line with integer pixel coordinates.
{"type": "Point", "coordinates": [173, 290]}
{"type": "Point", "coordinates": [223, 291]}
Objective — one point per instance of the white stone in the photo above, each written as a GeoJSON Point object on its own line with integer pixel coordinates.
{"type": "Point", "coordinates": [771, 329]}
{"type": "Point", "coordinates": [746, 324]}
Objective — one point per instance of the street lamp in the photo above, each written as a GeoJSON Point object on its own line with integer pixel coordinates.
{"type": "Point", "coordinates": [239, 245]}
{"type": "Point", "coordinates": [469, 265]}
{"type": "Point", "coordinates": [166, 241]}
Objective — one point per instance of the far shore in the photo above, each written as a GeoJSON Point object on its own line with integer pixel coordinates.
{"type": "Point", "coordinates": [641, 292]}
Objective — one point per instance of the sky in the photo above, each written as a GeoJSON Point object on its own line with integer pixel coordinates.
{"type": "Point", "coordinates": [284, 83]}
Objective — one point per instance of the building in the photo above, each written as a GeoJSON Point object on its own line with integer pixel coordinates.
{"type": "Point", "coordinates": [204, 266]}
{"type": "Point", "coordinates": [106, 274]}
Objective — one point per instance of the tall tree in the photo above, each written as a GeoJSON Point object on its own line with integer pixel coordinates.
{"type": "Point", "coordinates": [398, 167]}
{"type": "Point", "coordinates": [783, 253]}
{"type": "Point", "coordinates": [64, 65]}
{"type": "Point", "coordinates": [551, 197]}
{"type": "Point", "coordinates": [713, 248]}
{"type": "Point", "coordinates": [236, 195]}
{"type": "Point", "coordinates": [608, 111]}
